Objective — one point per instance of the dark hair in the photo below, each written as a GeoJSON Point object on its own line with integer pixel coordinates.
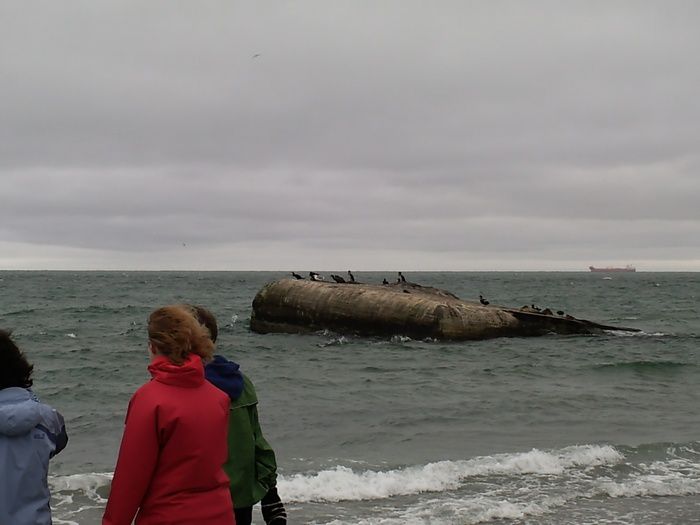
{"type": "Point", "coordinates": [207, 319]}
{"type": "Point", "coordinates": [15, 370]}
{"type": "Point", "coordinates": [176, 333]}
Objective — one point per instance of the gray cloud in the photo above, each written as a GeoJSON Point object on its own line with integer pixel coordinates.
{"type": "Point", "coordinates": [461, 133]}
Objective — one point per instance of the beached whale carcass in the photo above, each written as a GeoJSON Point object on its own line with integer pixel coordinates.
{"type": "Point", "coordinates": [292, 306]}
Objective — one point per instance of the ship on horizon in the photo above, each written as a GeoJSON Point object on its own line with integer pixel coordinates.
{"type": "Point", "coordinates": [607, 269]}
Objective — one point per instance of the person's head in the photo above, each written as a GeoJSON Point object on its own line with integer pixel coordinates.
{"type": "Point", "coordinates": [15, 370]}
{"type": "Point", "coordinates": [173, 331]}
{"type": "Point", "coordinates": [207, 319]}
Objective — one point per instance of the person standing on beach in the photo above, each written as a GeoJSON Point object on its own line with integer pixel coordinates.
{"type": "Point", "coordinates": [251, 463]}
{"type": "Point", "coordinates": [31, 433]}
{"type": "Point", "coordinates": [169, 469]}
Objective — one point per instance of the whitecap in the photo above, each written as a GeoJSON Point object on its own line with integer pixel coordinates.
{"type": "Point", "coordinates": [466, 511]}
{"type": "Point", "coordinates": [340, 340]}
{"type": "Point", "coordinates": [482, 509]}
{"type": "Point", "coordinates": [344, 484]}
{"type": "Point", "coordinates": [87, 484]}
{"type": "Point", "coordinates": [677, 477]}
{"type": "Point", "coordinates": [641, 333]}
{"type": "Point", "coordinates": [58, 521]}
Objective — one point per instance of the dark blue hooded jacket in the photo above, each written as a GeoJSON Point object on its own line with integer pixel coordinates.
{"type": "Point", "coordinates": [225, 375]}
{"type": "Point", "coordinates": [251, 465]}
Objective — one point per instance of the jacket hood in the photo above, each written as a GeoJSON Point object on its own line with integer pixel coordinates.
{"type": "Point", "coordinates": [19, 412]}
{"type": "Point", "coordinates": [189, 374]}
{"type": "Point", "coordinates": [225, 375]}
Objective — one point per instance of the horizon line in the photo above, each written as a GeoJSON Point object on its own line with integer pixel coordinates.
{"type": "Point", "coordinates": [326, 271]}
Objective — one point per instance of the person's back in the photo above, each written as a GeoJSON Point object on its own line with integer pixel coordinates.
{"type": "Point", "coordinates": [169, 469]}
{"type": "Point", "coordinates": [251, 463]}
{"type": "Point", "coordinates": [182, 450]}
{"type": "Point", "coordinates": [31, 433]}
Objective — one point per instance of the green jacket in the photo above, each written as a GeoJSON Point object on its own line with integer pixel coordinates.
{"type": "Point", "coordinates": [251, 464]}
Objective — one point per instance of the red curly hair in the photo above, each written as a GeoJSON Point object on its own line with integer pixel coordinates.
{"type": "Point", "coordinates": [176, 333]}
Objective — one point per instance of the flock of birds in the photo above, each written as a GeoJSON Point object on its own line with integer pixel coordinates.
{"type": "Point", "coordinates": [315, 276]}
{"type": "Point", "coordinates": [544, 311]}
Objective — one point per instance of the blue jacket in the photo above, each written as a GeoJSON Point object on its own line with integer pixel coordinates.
{"type": "Point", "coordinates": [30, 434]}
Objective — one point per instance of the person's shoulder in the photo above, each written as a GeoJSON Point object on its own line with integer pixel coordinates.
{"type": "Point", "coordinates": [151, 392]}
{"type": "Point", "coordinates": [215, 393]}
{"type": "Point", "coordinates": [212, 389]}
{"type": "Point", "coordinates": [145, 389]}
{"type": "Point", "coordinates": [248, 382]}
{"type": "Point", "coordinates": [51, 418]}
{"type": "Point", "coordinates": [248, 395]}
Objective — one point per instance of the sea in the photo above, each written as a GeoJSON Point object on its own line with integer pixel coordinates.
{"type": "Point", "coordinates": [554, 429]}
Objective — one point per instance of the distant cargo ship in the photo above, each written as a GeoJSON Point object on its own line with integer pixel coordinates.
{"type": "Point", "coordinates": [628, 268]}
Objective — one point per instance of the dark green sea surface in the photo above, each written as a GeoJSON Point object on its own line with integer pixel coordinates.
{"type": "Point", "coordinates": [543, 430]}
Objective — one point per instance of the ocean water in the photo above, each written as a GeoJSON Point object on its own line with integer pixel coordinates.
{"type": "Point", "coordinates": [543, 430]}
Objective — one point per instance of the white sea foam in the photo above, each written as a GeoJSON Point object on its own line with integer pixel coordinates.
{"type": "Point", "coordinates": [473, 510]}
{"type": "Point", "coordinates": [342, 483]}
{"type": "Point", "coordinates": [621, 333]}
{"type": "Point", "coordinates": [340, 340]}
{"type": "Point", "coordinates": [533, 483]}
{"type": "Point", "coordinates": [465, 511]}
{"type": "Point", "coordinates": [519, 498]}
{"type": "Point", "coordinates": [87, 484]}
{"type": "Point", "coordinates": [677, 477]}
{"type": "Point", "coordinates": [75, 496]}
{"type": "Point", "coordinates": [651, 486]}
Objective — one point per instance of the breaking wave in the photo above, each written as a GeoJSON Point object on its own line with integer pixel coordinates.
{"type": "Point", "coordinates": [342, 483]}
{"type": "Point", "coordinates": [471, 491]}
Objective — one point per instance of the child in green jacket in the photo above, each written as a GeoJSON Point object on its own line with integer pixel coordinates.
{"type": "Point", "coordinates": [251, 464]}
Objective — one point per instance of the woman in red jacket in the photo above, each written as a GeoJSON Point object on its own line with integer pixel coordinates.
{"type": "Point", "coordinates": [169, 469]}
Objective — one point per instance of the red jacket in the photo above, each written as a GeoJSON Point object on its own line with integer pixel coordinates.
{"type": "Point", "coordinates": [174, 445]}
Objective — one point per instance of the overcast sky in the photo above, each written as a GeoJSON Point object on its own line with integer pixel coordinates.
{"type": "Point", "coordinates": [371, 135]}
